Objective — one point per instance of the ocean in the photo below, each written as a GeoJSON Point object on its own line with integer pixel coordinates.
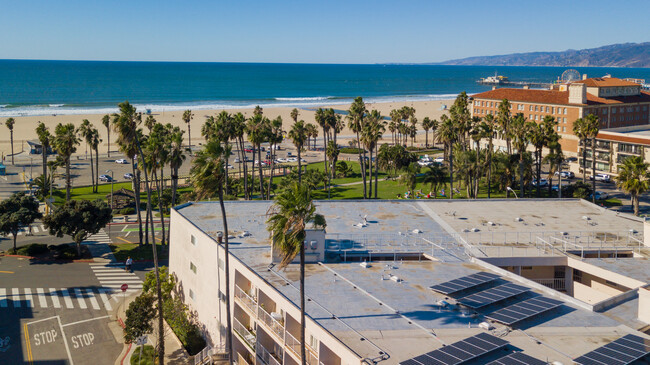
{"type": "Point", "coordinates": [32, 87]}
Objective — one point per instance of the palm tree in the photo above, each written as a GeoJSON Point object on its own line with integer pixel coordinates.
{"type": "Point", "coordinates": [555, 158]}
{"type": "Point", "coordinates": [592, 127]}
{"type": "Point", "coordinates": [409, 177]}
{"type": "Point", "coordinates": [393, 125]}
{"type": "Point", "coordinates": [503, 120]}
{"type": "Point", "coordinates": [580, 131]}
{"type": "Point", "coordinates": [150, 122]}
{"type": "Point", "coordinates": [435, 177]}
{"type": "Point", "coordinates": [488, 128]}
{"type": "Point", "coordinates": [448, 135]}
{"type": "Point", "coordinates": [312, 131]}
{"type": "Point", "coordinates": [460, 115]}
{"type": "Point", "coordinates": [10, 124]}
{"type": "Point", "coordinates": [208, 174]}
{"type": "Point", "coordinates": [372, 132]}
{"type": "Point", "coordinates": [65, 144]}
{"type": "Point", "coordinates": [94, 145]}
{"type": "Point", "coordinates": [538, 140]}
{"type": "Point", "coordinates": [356, 119]}
{"type": "Point", "coordinates": [106, 121]}
{"type": "Point", "coordinates": [257, 129]}
{"type": "Point", "coordinates": [176, 158]}
{"type": "Point", "coordinates": [274, 137]}
{"type": "Point", "coordinates": [288, 218]}
{"type": "Point", "coordinates": [85, 131]}
{"type": "Point", "coordinates": [428, 124]}
{"type": "Point", "coordinates": [298, 135]}
{"type": "Point", "coordinates": [187, 118]}
{"type": "Point", "coordinates": [322, 119]}
{"type": "Point", "coordinates": [238, 131]}
{"type": "Point", "coordinates": [634, 179]}
{"type": "Point", "coordinates": [520, 133]}
{"type": "Point", "coordinates": [45, 138]}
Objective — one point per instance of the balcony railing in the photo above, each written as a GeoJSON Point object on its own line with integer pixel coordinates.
{"type": "Point", "coordinates": [247, 335]}
{"type": "Point", "coordinates": [241, 360]}
{"type": "Point", "coordinates": [556, 284]}
{"type": "Point", "coordinates": [272, 323]}
{"type": "Point", "coordinates": [248, 301]}
{"type": "Point", "coordinates": [293, 344]}
{"type": "Point", "coordinates": [267, 357]}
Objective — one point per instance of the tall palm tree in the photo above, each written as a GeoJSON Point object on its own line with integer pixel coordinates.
{"type": "Point", "coordinates": [447, 134]}
{"type": "Point", "coordinates": [94, 145]}
{"type": "Point", "coordinates": [10, 122]}
{"type": "Point", "coordinates": [538, 140]}
{"type": "Point", "coordinates": [288, 218]}
{"type": "Point", "coordinates": [462, 118]}
{"type": "Point", "coordinates": [592, 127]}
{"type": "Point", "coordinates": [435, 177]}
{"type": "Point", "coordinates": [555, 158]}
{"type": "Point", "coordinates": [45, 137]}
{"type": "Point", "coordinates": [312, 131]}
{"type": "Point", "coordinates": [322, 119]}
{"type": "Point", "coordinates": [256, 129]}
{"type": "Point", "coordinates": [176, 158]}
{"type": "Point", "coordinates": [65, 144]}
{"type": "Point", "coordinates": [372, 132]}
{"type": "Point", "coordinates": [106, 121]}
{"type": "Point", "coordinates": [208, 174]}
{"type": "Point", "coordinates": [238, 131]}
{"type": "Point", "coordinates": [129, 140]}
{"type": "Point", "coordinates": [85, 131]}
{"type": "Point", "coordinates": [298, 135]}
{"type": "Point", "coordinates": [488, 128]}
{"type": "Point", "coordinates": [356, 119]}
{"type": "Point", "coordinates": [274, 137]}
{"type": "Point", "coordinates": [187, 118]}
{"type": "Point", "coordinates": [393, 125]}
{"type": "Point", "coordinates": [428, 124]}
{"type": "Point", "coordinates": [409, 177]}
{"type": "Point", "coordinates": [580, 131]}
{"type": "Point", "coordinates": [503, 120]}
{"type": "Point", "coordinates": [634, 179]}
{"type": "Point", "coordinates": [520, 134]}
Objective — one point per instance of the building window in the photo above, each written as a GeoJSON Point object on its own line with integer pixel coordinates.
{"type": "Point", "coordinates": [564, 110]}
{"type": "Point", "coordinates": [577, 275]}
{"type": "Point", "coordinates": [526, 267]}
{"type": "Point", "coordinates": [530, 108]}
{"type": "Point", "coordinates": [192, 267]}
{"type": "Point", "coordinates": [613, 110]}
{"type": "Point", "coordinates": [547, 109]}
{"type": "Point", "coordinates": [558, 128]}
{"type": "Point", "coordinates": [193, 240]}
{"type": "Point", "coordinates": [313, 342]}
{"type": "Point", "coordinates": [564, 129]}
{"type": "Point", "coordinates": [192, 294]}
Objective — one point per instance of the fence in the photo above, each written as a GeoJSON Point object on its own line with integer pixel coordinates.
{"type": "Point", "coordinates": [586, 239]}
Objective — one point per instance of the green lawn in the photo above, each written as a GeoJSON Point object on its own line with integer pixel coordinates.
{"type": "Point", "coordinates": [85, 192]}
{"type": "Point", "coordinates": [138, 253]}
{"type": "Point", "coordinates": [353, 176]}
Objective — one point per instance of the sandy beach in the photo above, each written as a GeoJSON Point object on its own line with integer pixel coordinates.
{"type": "Point", "coordinates": [24, 128]}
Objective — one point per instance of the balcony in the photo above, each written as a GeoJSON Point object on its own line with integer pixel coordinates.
{"type": "Point", "coordinates": [293, 344]}
{"type": "Point", "coordinates": [267, 357]}
{"type": "Point", "coordinates": [247, 301]}
{"type": "Point", "coordinates": [246, 334]}
{"type": "Point", "coordinates": [244, 359]}
{"type": "Point", "coordinates": [273, 324]}
{"type": "Point", "coordinates": [555, 284]}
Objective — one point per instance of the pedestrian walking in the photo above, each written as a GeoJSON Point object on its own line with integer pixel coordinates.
{"type": "Point", "coordinates": [129, 263]}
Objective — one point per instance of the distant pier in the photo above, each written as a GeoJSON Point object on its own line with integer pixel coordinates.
{"type": "Point", "coordinates": [540, 85]}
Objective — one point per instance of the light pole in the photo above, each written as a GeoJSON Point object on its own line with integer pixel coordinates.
{"type": "Point", "coordinates": [510, 189]}
{"type": "Point", "coordinates": [111, 171]}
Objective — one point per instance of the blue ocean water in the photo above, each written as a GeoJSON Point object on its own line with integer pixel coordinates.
{"type": "Point", "coordinates": [30, 87]}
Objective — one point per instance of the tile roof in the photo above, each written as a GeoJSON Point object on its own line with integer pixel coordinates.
{"type": "Point", "coordinates": [556, 97]}
{"type": "Point", "coordinates": [605, 82]}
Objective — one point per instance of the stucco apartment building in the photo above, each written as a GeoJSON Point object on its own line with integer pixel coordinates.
{"type": "Point", "coordinates": [373, 280]}
{"type": "Point", "coordinates": [617, 103]}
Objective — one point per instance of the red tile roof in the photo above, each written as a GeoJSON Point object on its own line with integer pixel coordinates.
{"type": "Point", "coordinates": [605, 82]}
{"type": "Point", "coordinates": [556, 97]}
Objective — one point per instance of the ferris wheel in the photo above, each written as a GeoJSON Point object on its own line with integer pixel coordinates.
{"type": "Point", "coordinates": [570, 75]}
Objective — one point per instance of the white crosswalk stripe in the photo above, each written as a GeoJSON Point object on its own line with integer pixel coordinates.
{"type": "Point", "coordinates": [113, 275]}
{"type": "Point", "coordinates": [35, 229]}
{"type": "Point", "coordinates": [74, 298]}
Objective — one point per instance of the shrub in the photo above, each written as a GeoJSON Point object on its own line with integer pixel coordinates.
{"type": "Point", "coordinates": [33, 249]}
{"type": "Point", "coordinates": [352, 150]}
{"type": "Point", "coordinates": [65, 252]}
{"type": "Point", "coordinates": [127, 210]}
{"type": "Point", "coordinates": [148, 354]}
{"type": "Point", "coordinates": [183, 325]}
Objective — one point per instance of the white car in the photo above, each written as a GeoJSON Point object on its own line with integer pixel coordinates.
{"type": "Point", "coordinates": [425, 163]}
{"type": "Point", "coordinates": [292, 159]}
{"type": "Point", "coordinates": [122, 161]}
{"type": "Point", "coordinates": [439, 159]}
{"type": "Point", "coordinates": [601, 177]}
{"type": "Point", "coordinates": [230, 166]}
{"type": "Point", "coordinates": [281, 160]}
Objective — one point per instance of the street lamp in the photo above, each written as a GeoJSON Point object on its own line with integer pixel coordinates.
{"type": "Point", "coordinates": [510, 189]}
{"type": "Point", "coordinates": [111, 171]}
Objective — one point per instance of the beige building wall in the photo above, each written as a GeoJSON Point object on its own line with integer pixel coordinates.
{"type": "Point", "coordinates": [644, 304]}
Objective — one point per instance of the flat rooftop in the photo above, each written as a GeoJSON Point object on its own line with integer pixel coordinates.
{"type": "Point", "coordinates": [371, 315]}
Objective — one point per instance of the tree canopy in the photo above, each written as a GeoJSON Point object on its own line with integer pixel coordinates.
{"type": "Point", "coordinates": [18, 211]}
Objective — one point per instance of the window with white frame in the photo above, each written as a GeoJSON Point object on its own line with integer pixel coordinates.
{"type": "Point", "coordinates": [193, 240]}
{"type": "Point", "coordinates": [192, 267]}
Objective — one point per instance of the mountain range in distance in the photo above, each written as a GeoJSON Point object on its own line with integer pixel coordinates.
{"type": "Point", "coordinates": [614, 55]}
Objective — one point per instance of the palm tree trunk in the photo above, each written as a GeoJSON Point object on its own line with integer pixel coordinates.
{"type": "Point", "coordinates": [325, 159]}
{"type": "Point", "coordinates": [584, 159]}
{"type": "Point", "coordinates": [227, 263]}
{"type": "Point", "coordinates": [44, 152]}
{"type": "Point", "coordinates": [226, 167]}
{"type": "Point", "coordinates": [108, 136]}
{"type": "Point", "coordinates": [538, 170]}
{"type": "Point", "coordinates": [136, 190]}
{"type": "Point", "coordinates": [259, 156]}
{"type": "Point", "coordinates": [521, 174]}
{"type": "Point", "coordinates": [67, 177]}
{"type": "Point", "coordinates": [362, 166]}
{"type": "Point", "coordinates": [92, 172]}
{"type": "Point", "coordinates": [635, 204]}
{"type": "Point", "coordinates": [489, 172]}
{"type": "Point", "coordinates": [243, 161]}
{"type": "Point", "coordinates": [97, 167]}
{"type": "Point", "coordinates": [370, 175]}
{"type": "Point", "coordinates": [189, 138]}
{"type": "Point", "coordinates": [160, 207]}
{"type": "Point", "coordinates": [593, 170]}
{"type": "Point", "coordinates": [302, 305]}
{"type": "Point", "coordinates": [451, 171]}
{"type": "Point", "coordinates": [11, 134]}
{"type": "Point", "coordinates": [376, 152]}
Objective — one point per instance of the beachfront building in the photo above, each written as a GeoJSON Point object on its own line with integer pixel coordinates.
{"type": "Point", "coordinates": [420, 282]}
{"type": "Point", "coordinates": [617, 103]}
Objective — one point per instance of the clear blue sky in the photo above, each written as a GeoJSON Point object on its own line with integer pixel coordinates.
{"type": "Point", "coordinates": [310, 31]}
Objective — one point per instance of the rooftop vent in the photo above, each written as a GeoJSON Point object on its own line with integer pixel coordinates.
{"type": "Point", "coordinates": [586, 218]}
{"type": "Point", "coordinates": [518, 219]}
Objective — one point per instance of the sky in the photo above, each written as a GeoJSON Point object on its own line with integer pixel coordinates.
{"type": "Point", "coordinates": [310, 31]}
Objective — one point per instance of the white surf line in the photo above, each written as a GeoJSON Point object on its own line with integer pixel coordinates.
{"type": "Point", "coordinates": [66, 298]}
{"type": "Point", "coordinates": [104, 297]}
{"type": "Point", "coordinates": [84, 321]}
{"type": "Point", "coordinates": [3, 298]}
{"type": "Point", "coordinates": [41, 297]}
{"type": "Point", "coordinates": [15, 297]}
{"type": "Point", "coordinates": [55, 298]}
{"type": "Point", "coordinates": [65, 340]}
{"type": "Point", "coordinates": [92, 299]}
{"type": "Point", "coordinates": [29, 298]}
{"type": "Point", "coordinates": [80, 298]}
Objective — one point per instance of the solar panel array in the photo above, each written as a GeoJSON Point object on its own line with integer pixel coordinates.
{"type": "Point", "coordinates": [492, 295]}
{"type": "Point", "coordinates": [623, 351]}
{"type": "Point", "coordinates": [517, 358]}
{"type": "Point", "coordinates": [465, 282]}
{"type": "Point", "coordinates": [522, 310]}
{"type": "Point", "coordinates": [459, 352]}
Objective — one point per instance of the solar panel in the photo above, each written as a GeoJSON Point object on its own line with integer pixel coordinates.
{"type": "Point", "coordinates": [465, 282]}
{"type": "Point", "coordinates": [623, 351]}
{"type": "Point", "coordinates": [517, 358]}
{"type": "Point", "coordinates": [459, 352]}
{"type": "Point", "coordinates": [526, 309]}
{"type": "Point", "coordinates": [492, 295]}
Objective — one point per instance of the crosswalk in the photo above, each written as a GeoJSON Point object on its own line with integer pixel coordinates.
{"type": "Point", "coordinates": [112, 275]}
{"type": "Point", "coordinates": [60, 298]}
{"type": "Point", "coordinates": [36, 228]}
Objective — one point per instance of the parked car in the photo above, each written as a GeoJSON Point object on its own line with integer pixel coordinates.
{"type": "Point", "coordinates": [122, 161]}
{"type": "Point", "coordinates": [542, 182]}
{"type": "Point", "coordinates": [292, 159]}
{"type": "Point", "coordinates": [105, 178]}
{"type": "Point", "coordinates": [281, 160]}
{"type": "Point", "coordinates": [555, 188]}
{"type": "Point", "coordinates": [439, 159]}
{"type": "Point", "coordinates": [128, 176]}
{"type": "Point", "coordinates": [601, 177]}
{"type": "Point", "coordinates": [600, 195]}
{"type": "Point", "coordinates": [566, 174]}
{"type": "Point", "coordinates": [237, 160]}
{"type": "Point", "coordinates": [230, 166]}
{"type": "Point", "coordinates": [425, 163]}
